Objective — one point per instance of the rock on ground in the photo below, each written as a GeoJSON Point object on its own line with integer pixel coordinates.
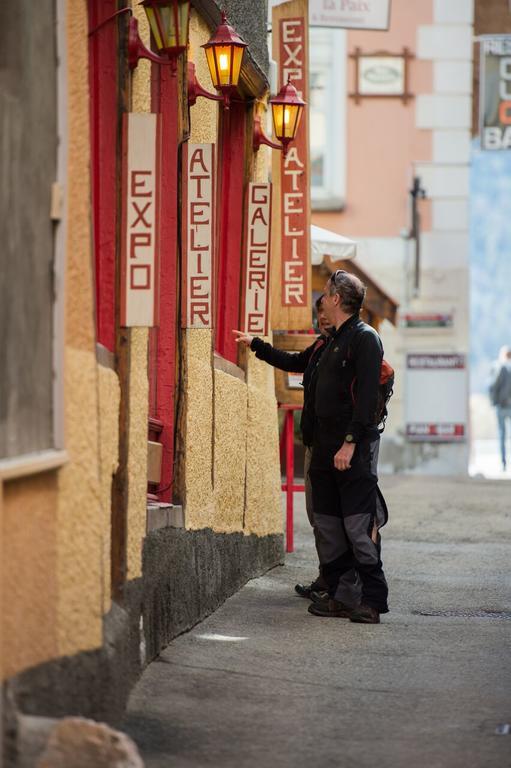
{"type": "Point", "coordinates": [79, 743]}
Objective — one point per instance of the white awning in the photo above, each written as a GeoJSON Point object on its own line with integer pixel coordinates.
{"type": "Point", "coordinates": [327, 243]}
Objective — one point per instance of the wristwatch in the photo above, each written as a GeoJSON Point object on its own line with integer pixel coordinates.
{"type": "Point", "coordinates": [349, 438]}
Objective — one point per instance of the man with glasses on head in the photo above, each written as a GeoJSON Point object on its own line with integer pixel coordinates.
{"type": "Point", "coordinates": [348, 506]}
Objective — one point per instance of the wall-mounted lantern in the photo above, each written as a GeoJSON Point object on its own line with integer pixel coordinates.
{"type": "Point", "coordinates": [224, 54]}
{"type": "Point", "coordinates": [287, 108]}
{"type": "Point", "coordinates": [169, 21]}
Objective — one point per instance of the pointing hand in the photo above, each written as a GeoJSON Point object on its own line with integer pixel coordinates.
{"type": "Point", "coordinates": [244, 338]}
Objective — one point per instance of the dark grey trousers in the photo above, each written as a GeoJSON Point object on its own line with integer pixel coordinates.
{"type": "Point", "coordinates": [348, 508]}
{"type": "Point", "coordinates": [320, 582]}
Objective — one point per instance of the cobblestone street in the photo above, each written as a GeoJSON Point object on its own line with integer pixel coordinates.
{"type": "Point", "coordinates": [263, 683]}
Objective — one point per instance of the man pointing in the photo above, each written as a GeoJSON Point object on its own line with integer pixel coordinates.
{"type": "Point", "coordinates": [348, 505]}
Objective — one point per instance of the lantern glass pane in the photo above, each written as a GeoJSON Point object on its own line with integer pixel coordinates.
{"type": "Point", "coordinates": [184, 15]}
{"type": "Point", "coordinates": [155, 29]}
{"type": "Point", "coordinates": [236, 67]}
{"type": "Point", "coordinates": [223, 55]}
{"type": "Point", "coordinates": [210, 58]}
{"type": "Point", "coordinates": [278, 119]}
{"type": "Point", "coordinates": [162, 20]}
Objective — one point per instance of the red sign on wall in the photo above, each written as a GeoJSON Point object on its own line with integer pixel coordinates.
{"type": "Point", "coordinates": [294, 170]}
{"type": "Point", "coordinates": [198, 234]}
{"type": "Point", "coordinates": [139, 260]}
{"type": "Point", "coordinates": [257, 259]}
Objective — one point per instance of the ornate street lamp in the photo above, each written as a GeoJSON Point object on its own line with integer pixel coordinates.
{"type": "Point", "coordinates": [169, 21]}
{"type": "Point", "coordinates": [224, 54]}
{"type": "Point", "coordinates": [287, 108]}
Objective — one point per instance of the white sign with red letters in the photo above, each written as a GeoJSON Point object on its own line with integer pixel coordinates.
{"type": "Point", "coordinates": [140, 258]}
{"type": "Point", "coordinates": [198, 234]}
{"type": "Point", "coordinates": [257, 258]}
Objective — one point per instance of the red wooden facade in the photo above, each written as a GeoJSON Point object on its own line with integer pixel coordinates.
{"type": "Point", "coordinates": [104, 132]}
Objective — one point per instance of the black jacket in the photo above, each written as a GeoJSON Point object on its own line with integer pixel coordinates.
{"type": "Point", "coordinates": [349, 367]}
{"type": "Point", "coordinates": [296, 362]}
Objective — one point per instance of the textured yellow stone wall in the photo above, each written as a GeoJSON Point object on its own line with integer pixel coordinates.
{"type": "Point", "coordinates": [29, 580]}
{"type": "Point", "coordinates": [198, 428]}
{"type": "Point", "coordinates": [204, 114]}
{"type": "Point", "coordinates": [139, 382]}
{"type": "Point", "coordinates": [239, 418]}
{"type": "Point", "coordinates": [80, 564]}
{"type": "Point", "coordinates": [198, 385]}
{"type": "Point", "coordinates": [230, 451]}
{"type": "Point", "coordinates": [263, 499]}
{"type": "Point", "coordinates": [109, 400]}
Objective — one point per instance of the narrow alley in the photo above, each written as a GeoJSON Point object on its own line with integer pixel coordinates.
{"type": "Point", "coordinates": [263, 683]}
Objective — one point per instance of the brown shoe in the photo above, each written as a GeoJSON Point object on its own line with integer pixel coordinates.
{"type": "Point", "coordinates": [330, 608]}
{"type": "Point", "coordinates": [365, 614]}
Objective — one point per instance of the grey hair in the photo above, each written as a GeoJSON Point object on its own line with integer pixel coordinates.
{"type": "Point", "coordinates": [351, 290]}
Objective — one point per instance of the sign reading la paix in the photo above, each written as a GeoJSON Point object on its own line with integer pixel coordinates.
{"type": "Point", "coordinates": [347, 14]}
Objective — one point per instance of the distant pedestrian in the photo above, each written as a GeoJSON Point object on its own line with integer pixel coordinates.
{"type": "Point", "coordinates": [500, 395]}
{"type": "Point", "coordinates": [346, 498]}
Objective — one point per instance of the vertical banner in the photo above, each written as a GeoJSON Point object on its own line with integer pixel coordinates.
{"type": "Point", "coordinates": [198, 216]}
{"type": "Point", "coordinates": [140, 225]}
{"type": "Point", "coordinates": [257, 259]}
{"type": "Point", "coordinates": [495, 93]}
{"type": "Point", "coordinates": [291, 268]}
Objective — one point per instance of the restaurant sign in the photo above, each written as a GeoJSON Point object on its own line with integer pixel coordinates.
{"type": "Point", "coordinates": [257, 259]}
{"type": "Point", "coordinates": [198, 234]}
{"type": "Point", "coordinates": [139, 249]}
{"type": "Point", "coordinates": [436, 397]}
{"type": "Point", "coordinates": [495, 93]}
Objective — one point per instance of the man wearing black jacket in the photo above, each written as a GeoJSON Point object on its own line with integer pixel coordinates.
{"type": "Point", "coordinates": [348, 505]}
{"type": "Point", "coordinates": [299, 362]}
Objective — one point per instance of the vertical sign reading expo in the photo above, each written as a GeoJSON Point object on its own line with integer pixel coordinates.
{"type": "Point", "coordinates": [139, 255]}
{"type": "Point", "coordinates": [198, 234]}
{"type": "Point", "coordinates": [257, 258]}
{"type": "Point", "coordinates": [290, 263]}
{"type": "Point", "coordinates": [295, 231]}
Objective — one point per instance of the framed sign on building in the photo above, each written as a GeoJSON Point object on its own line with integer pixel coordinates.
{"type": "Point", "coordinates": [436, 398]}
{"type": "Point", "coordinates": [495, 92]}
{"type": "Point", "coordinates": [381, 75]}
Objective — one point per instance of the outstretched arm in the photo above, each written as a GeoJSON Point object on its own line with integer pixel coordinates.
{"type": "Point", "coordinates": [295, 362]}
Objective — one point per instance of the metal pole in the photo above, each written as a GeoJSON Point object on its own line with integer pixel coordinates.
{"type": "Point", "coordinates": [290, 479]}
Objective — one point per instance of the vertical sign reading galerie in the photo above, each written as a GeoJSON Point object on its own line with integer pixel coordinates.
{"type": "Point", "coordinates": [198, 234]}
{"type": "Point", "coordinates": [257, 259]}
{"type": "Point", "coordinates": [291, 310]}
{"type": "Point", "coordinates": [139, 255]}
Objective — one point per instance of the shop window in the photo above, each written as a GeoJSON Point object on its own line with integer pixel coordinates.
{"type": "Point", "coordinates": [30, 347]}
{"type": "Point", "coordinates": [231, 187]}
{"type": "Point", "coordinates": [328, 118]}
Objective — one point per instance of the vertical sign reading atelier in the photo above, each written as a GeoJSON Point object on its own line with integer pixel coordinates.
{"type": "Point", "coordinates": [495, 93]}
{"type": "Point", "coordinates": [290, 263]}
{"type": "Point", "coordinates": [198, 234]}
{"type": "Point", "coordinates": [257, 259]}
{"type": "Point", "coordinates": [139, 255]}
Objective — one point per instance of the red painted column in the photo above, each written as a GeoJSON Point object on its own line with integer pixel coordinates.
{"type": "Point", "coordinates": [104, 133]}
{"type": "Point", "coordinates": [162, 346]}
{"type": "Point", "coordinates": [231, 170]}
